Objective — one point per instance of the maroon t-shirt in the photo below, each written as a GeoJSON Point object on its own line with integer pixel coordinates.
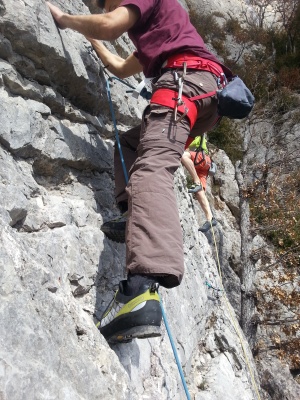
{"type": "Point", "coordinates": [163, 29]}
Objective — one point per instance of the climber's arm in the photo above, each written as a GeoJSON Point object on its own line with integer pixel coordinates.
{"type": "Point", "coordinates": [107, 26]}
{"type": "Point", "coordinates": [187, 162]}
{"type": "Point", "coordinates": [114, 63]}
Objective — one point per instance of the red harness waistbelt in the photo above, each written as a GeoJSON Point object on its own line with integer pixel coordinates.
{"type": "Point", "coordinates": [193, 62]}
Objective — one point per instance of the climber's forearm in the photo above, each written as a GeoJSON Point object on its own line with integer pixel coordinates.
{"type": "Point", "coordinates": [91, 25]}
{"type": "Point", "coordinates": [114, 63]}
{"type": "Point", "coordinates": [108, 26]}
{"type": "Point", "coordinates": [105, 55]}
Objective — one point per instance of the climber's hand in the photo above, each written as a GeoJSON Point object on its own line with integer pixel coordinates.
{"type": "Point", "coordinates": [58, 15]}
{"type": "Point", "coordinates": [92, 40]}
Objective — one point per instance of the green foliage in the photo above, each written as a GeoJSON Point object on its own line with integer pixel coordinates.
{"type": "Point", "coordinates": [287, 43]}
{"type": "Point", "coordinates": [232, 27]}
{"type": "Point", "coordinates": [226, 136]}
{"type": "Point", "coordinates": [269, 64]}
{"type": "Point", "coordinates": [289, 77]}
{"type": "Point", "coordinates": [274, 61]}
{"type": "Point", "coordinates": [276, 212]}
{"type": "Point", "coordinates": [206, 25]}
{"type": "Point", "coordinates": [286, 101]}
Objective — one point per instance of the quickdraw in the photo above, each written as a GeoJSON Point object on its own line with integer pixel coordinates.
{"type": "Point", "coordinates": [215, 290]}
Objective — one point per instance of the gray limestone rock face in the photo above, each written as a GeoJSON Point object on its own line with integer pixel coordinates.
{"type": "Point", "coordinates": [276, 380]}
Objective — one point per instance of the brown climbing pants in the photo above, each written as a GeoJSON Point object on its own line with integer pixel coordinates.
{"type": "Point", "coordinates": [152, 154]}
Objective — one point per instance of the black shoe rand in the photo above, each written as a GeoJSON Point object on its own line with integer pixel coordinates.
{"type": "Point", "coordinates": [115, 230]}
{"type": "Point", "coordinates": [137, 316]}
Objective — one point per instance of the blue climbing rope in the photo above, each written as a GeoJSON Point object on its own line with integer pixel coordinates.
{"type": "Point", "coordinates": [174, 351]}
{"type": "Point", "coordinates": [126, 180]}
{"type": "Point", "coordinates": [115, 122]}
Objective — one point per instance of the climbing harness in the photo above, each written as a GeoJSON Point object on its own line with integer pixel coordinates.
{"type": "Point", "coordinates": [108, 80]}
{"type": "Point", "coordinates": [199, 155]}
{"type": "Point", "coordinates": [236, 328]}
{"type": "Point", "coordinates": [212, 165]}
{"type": "Point", "coordinates": [198, 145]}
{"type": "Point", "coordinates": [193, 62]}
{"type": "Point", "coordinates": [175, 99]}
{"type": "Point", "coordinates": [235, 100]}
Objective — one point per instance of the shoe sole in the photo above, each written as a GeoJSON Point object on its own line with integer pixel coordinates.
{"type": "Point", "coordinates": [114, 235]}
{"type": "Point", "coordinates": [194, 191]}
{"type": "Point", "coordinates": [137, 332]}
{"type": "Point", "coordinates": [206, 230]}
{"type": "Point", "coordinates": [142, 323]}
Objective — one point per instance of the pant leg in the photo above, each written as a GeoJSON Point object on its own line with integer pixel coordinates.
{"type": "Point", "coordinates": [154, 236]}
{"type": "Point", "coordinates": [129, 142]}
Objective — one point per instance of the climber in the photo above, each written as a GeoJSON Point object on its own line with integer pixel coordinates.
{"type": "Point", "coordinates": [169, 50]}
{"type": "Point", "coordinates": [197, 162]}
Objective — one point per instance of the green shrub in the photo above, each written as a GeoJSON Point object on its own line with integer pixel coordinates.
{"type": "Point", "coordinates": [206, 25]}
{"type": "Point", "coordinates": [226, 136]}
